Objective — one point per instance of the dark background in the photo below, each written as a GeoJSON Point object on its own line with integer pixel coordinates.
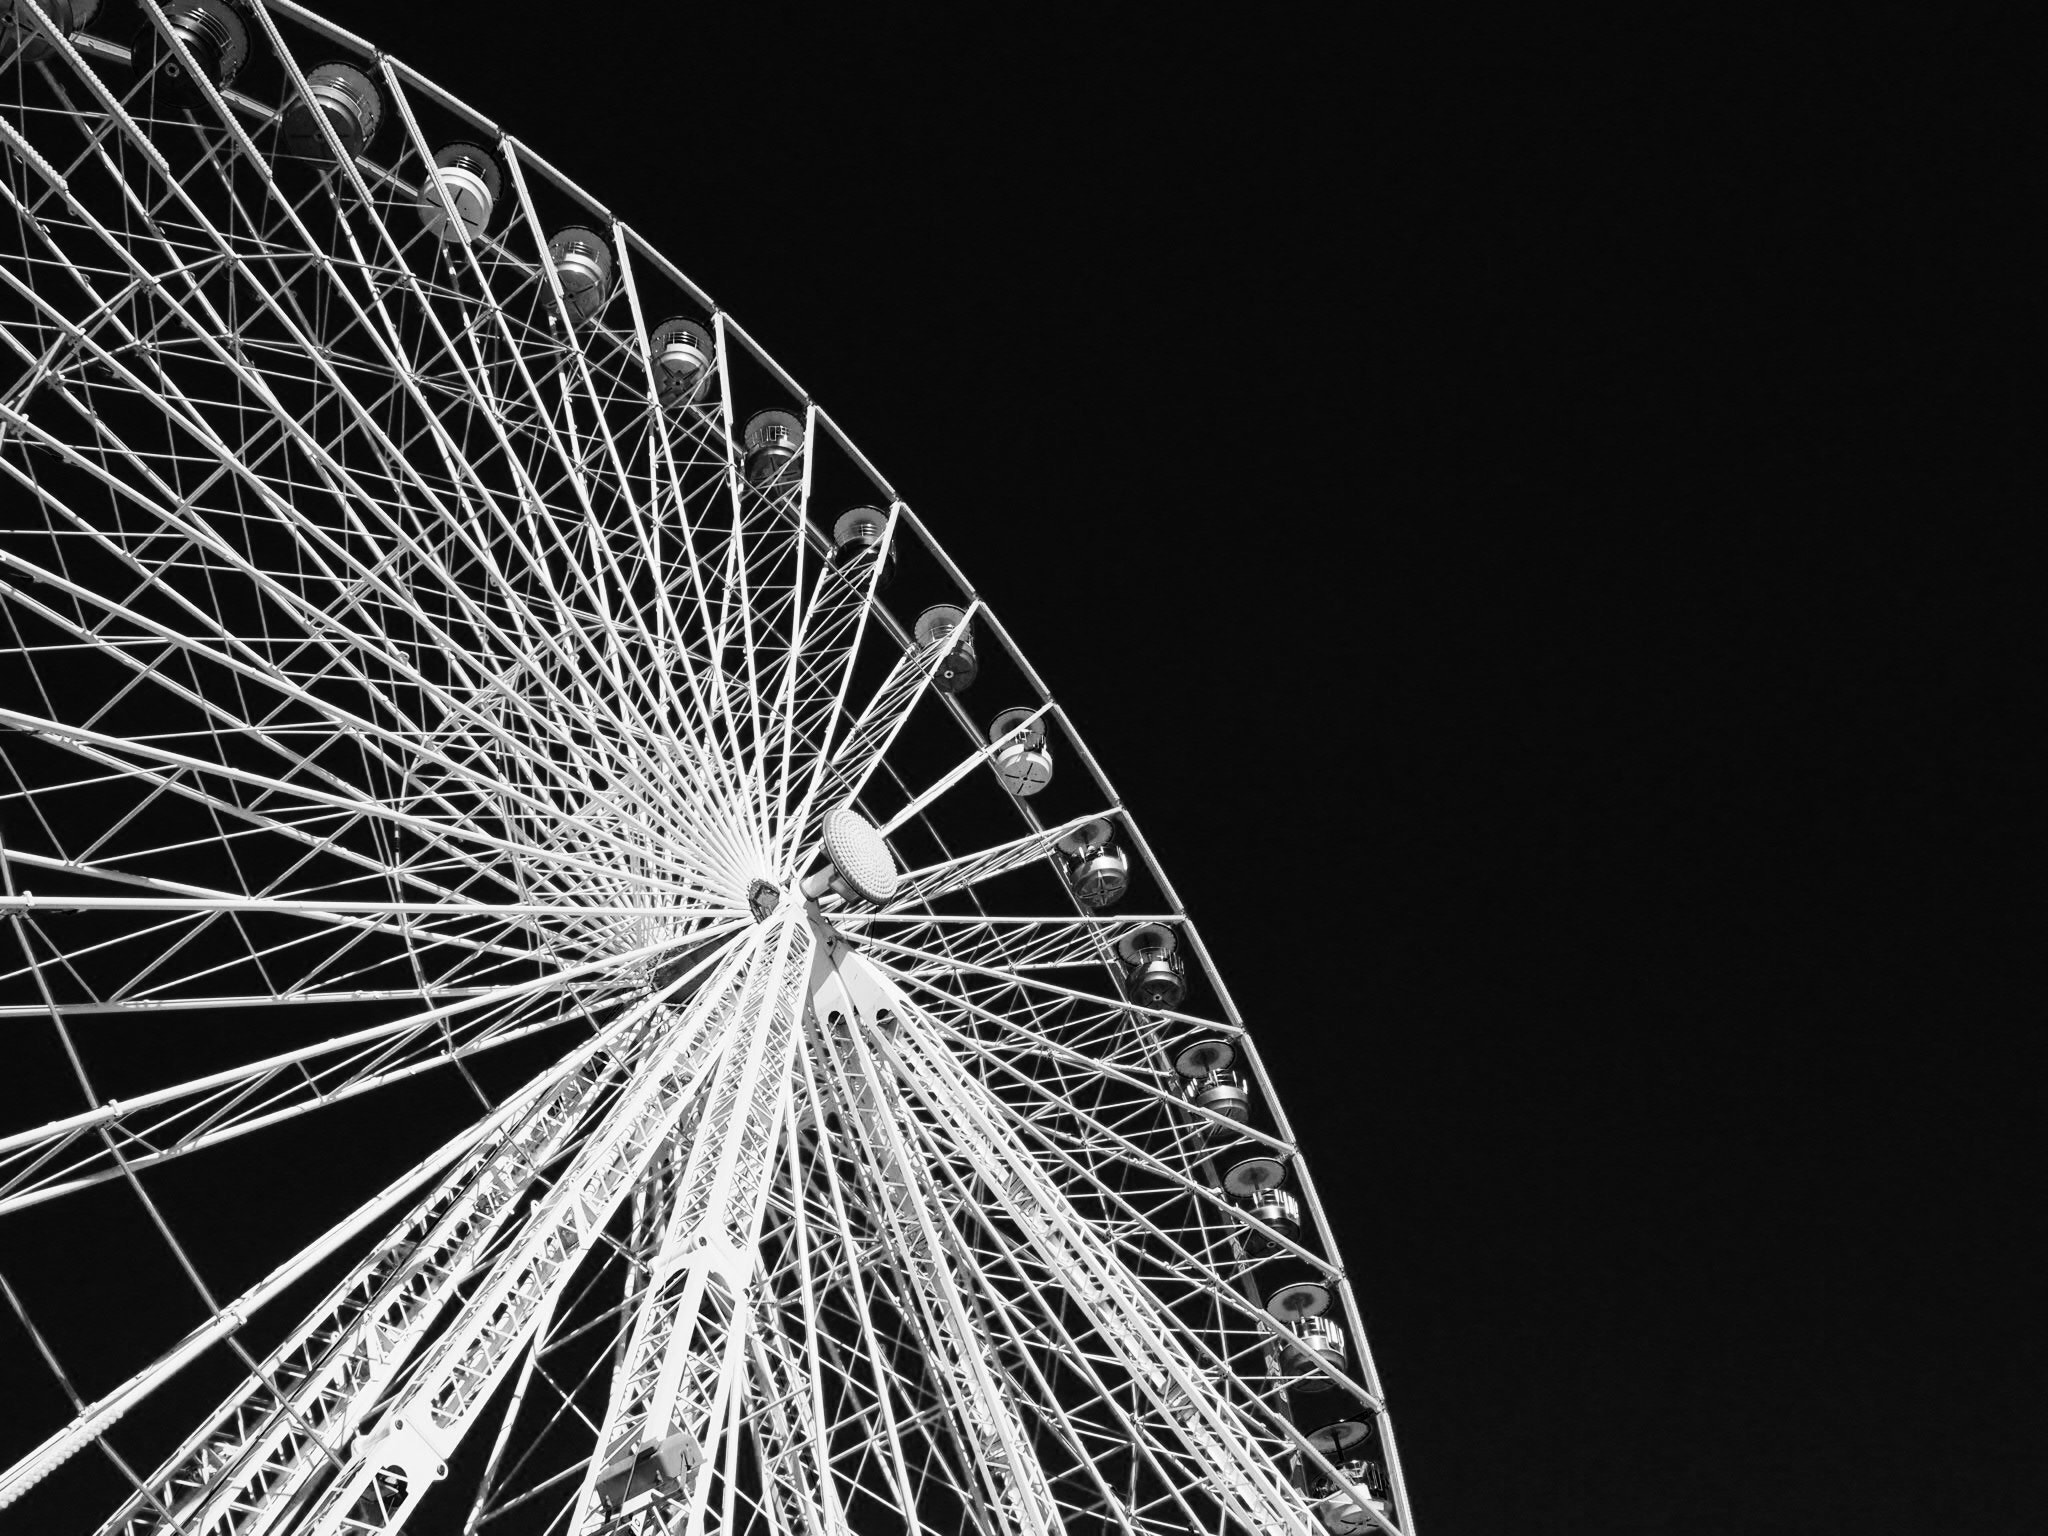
{"type": "Point", "coordinates": [1528, 516]}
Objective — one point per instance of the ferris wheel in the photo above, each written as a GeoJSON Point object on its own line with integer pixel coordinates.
{"type": "Point", "coordinates": [443, 649]}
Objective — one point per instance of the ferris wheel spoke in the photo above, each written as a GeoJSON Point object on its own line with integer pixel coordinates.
{"type": "Point", "coordinates": [691, 1071]}
{"type": "Point", "coordinates": [149, 958]}
{"type": "Point", "coordinates": [841, 606]}
{"type": "Point", "coordinates": [964, 1372]}
{"type": "Point", "coordinates": [735, 600]}
{"type": "Point", "coordinates": [842, 773]}
{"type": "Point", "coordinates": [805, 695]}
{"type": "Point", "coordinates": [626, 1122]}
{"type": "Point", "coordinates": [804, 1254]}
{"type": "Point", "coordinates": [709, 688]}
{"type": "Point", "coordinates": [97, 864]}
{"type": "Point", "coordinates": [833, 1266]}
{"type": "Point", "coordinates": [224, 248]}
{"type": "Point", "coordinates": [707, 752]}
{"type": "Point", "coordinates": [382, 742]}
{"type": "Point", "coordinates": [1047, 1344]}
{"type": "Point", "coordinates": [748, 731]}
{"type": "Point", "coordinates": [921, 887]}
{"type": "Point", "coordinates": [668, 494]}
{"type": "Point", "coordinates": [650, 647]}
{"type": "Point", "coordinates": [795, 1475]}
{"type": "Point", "coordinates": [998, 1321]}
{"type": "Point", "coordinates": [510, 1484]}
{"type": "Point", "coordinates": [1254, 1358]}
{"type": "Point", "coordinates": [273, 1434]}
{"type": "Point", "coordinates": [1164, 1361]}
{"type": "Point", "coordinates": [367, 1052]}
{"type": "Point", "coordinates": [1049, 1043]}
{"type": "Point", "coordinates": [944, 1156]}
{"type": "Point", "coordinates": [1011, 944]}
{"type": "Point", "coordinates": [679, 1374]}
{"type": "Point", "coordinates": [1006, 978]}
{"type": "Point", "coordinates": [174, 1122]}
{"type": "Point", "coordinates": [314, 828]}
{"type": "Point", "coordinates": [1065, 1129]}
{"type": "Point", "coordinates": [1089, 1158]}
{"type": "Point", "coordinates": [983, 754]}
{"type": "Point", "coordinates": [809, 677]}
{"type": "Point", "coordinates": [95, 1419]}
{"type": "Point", "coordinates": [399, 623]}
{"type": "Point", "coordinates": [571, 463]}
{"type": "Point", "coordinates": [782, 542]}
{"type": "Point", "coordinates": [319, 626]}
{"type": "Point", "coordinates": [353, 995]}
{"type": "Point", "coordinates": [860, 1372]}
{"type": "Point", "coordinates": [161, 766]}
{"type": "Point", "coordinates": [315, 943]}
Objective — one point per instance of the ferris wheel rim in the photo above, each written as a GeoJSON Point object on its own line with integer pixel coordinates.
{"type": "Point", "coordinates": [752, 840]}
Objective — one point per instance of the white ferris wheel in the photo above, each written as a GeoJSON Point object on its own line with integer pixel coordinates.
{"type": "Point", "coordinates": [441, 645]}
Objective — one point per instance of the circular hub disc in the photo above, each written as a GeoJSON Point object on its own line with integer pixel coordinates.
{"type": "Point", "coordinates": [859, 856]}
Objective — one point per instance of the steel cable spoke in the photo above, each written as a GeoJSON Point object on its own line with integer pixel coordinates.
{"type": "Point", "coordinates": [402, 636]}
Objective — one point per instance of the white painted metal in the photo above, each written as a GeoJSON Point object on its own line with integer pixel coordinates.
{"type": "Point", "coordinates": [376, 644]}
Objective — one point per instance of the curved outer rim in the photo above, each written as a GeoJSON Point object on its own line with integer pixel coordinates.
{"type": "Point", "coordinates": [519, 157]}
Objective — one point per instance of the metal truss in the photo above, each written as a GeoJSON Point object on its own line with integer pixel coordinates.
{"type": "Point", "coordinates": [416, 661]}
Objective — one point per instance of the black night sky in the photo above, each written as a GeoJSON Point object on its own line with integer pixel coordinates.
{"type": "Point", "coordinates": [1517, 510]}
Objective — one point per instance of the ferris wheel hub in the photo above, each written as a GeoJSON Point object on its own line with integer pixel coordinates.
{"type": "Point", "coordinates": [536, 781]}
{"type": "Point", "coordinates": [862, 868]}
